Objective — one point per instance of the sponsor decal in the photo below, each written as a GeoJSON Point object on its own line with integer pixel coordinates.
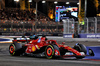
{"type": "Point", "coordinates": [68, 36]}
{"type": "Point", "coordinates": [83, 35]}
{"type": "Point", "coordinates": [93, 36]}
{"type": "Point", "coordinates": [37, 47]}
{"type": "Point", "coordinates": [57, 52]}
{"type": "Point", "coordinates": [69, 48]}
{"type": "Point", "coordinates": [33, 48]}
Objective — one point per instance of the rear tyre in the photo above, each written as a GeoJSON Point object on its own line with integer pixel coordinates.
{"type": "Point", "coordinates": [15, 49]}
{"type": "Point", "coordinates": [80, 48]}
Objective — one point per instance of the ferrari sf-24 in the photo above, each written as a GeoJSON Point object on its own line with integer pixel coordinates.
{"type": "Point", "coordinates": [48, 48]}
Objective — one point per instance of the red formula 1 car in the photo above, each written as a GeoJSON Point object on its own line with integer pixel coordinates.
{"type": "Point", "coordinates": [49, 48]}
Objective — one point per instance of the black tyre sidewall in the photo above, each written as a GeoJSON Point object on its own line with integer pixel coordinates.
{"type": "Point", "coordinates": [17, 49]}
{"type": "Point", "coordinates": [82, 48]}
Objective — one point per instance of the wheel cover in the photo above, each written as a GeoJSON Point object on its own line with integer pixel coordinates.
{"type": "Point", "coordinates": [11, 49]}
{"type": "Point", "coordinates": [49, 51]}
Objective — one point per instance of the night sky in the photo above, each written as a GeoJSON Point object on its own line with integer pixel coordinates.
{"type": "Point", "coordinates": [91, 10]}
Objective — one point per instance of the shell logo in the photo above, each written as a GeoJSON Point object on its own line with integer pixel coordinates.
{"type": "Point", "coordinates": [33, 48]}
{"type": "Point", "coordinates": [69, 48]}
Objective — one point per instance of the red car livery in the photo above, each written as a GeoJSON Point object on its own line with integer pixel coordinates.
{"type": "Point", "coordinates": [48, 48]}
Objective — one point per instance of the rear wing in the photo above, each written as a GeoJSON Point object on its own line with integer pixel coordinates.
{"type": "Point", "coordinates": [21, 39]}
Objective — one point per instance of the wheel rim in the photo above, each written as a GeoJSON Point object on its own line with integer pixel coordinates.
{"type": "Point", "coordinates": [11, 49]}
{"type": "Point", "coordinates": [49, 51]}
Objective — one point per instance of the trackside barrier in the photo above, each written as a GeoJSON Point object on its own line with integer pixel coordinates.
{"type": "Point", "coordinates": [84, 28]}
{"type": "Point", "coordinates": [82, 35]}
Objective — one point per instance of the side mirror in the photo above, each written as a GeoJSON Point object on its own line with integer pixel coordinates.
{"type": "Point", "coordinates": [63, 42]}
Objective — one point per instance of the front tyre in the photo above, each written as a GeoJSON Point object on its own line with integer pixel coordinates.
{"type": "Point", "coordinates": [49, 52]}
{"type": "Point", "coordinates": [80, 48]}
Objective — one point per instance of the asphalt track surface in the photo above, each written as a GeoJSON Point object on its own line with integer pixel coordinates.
{"type": "Point", "coordinates": [7, 60]}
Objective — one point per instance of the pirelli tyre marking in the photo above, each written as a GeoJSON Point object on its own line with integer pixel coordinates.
{"type": "Point", "coordinates": [12, 49]}
{"type": "Point", "coordinates": [49, 51]}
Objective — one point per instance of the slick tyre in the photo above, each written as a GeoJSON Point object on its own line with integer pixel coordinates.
{"type": "Point", "coordinates": [80, 48]}
{"type": "Point", "coordinates": [49, 52]}
{"type": "Point", "coordinates": [15, 49]}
